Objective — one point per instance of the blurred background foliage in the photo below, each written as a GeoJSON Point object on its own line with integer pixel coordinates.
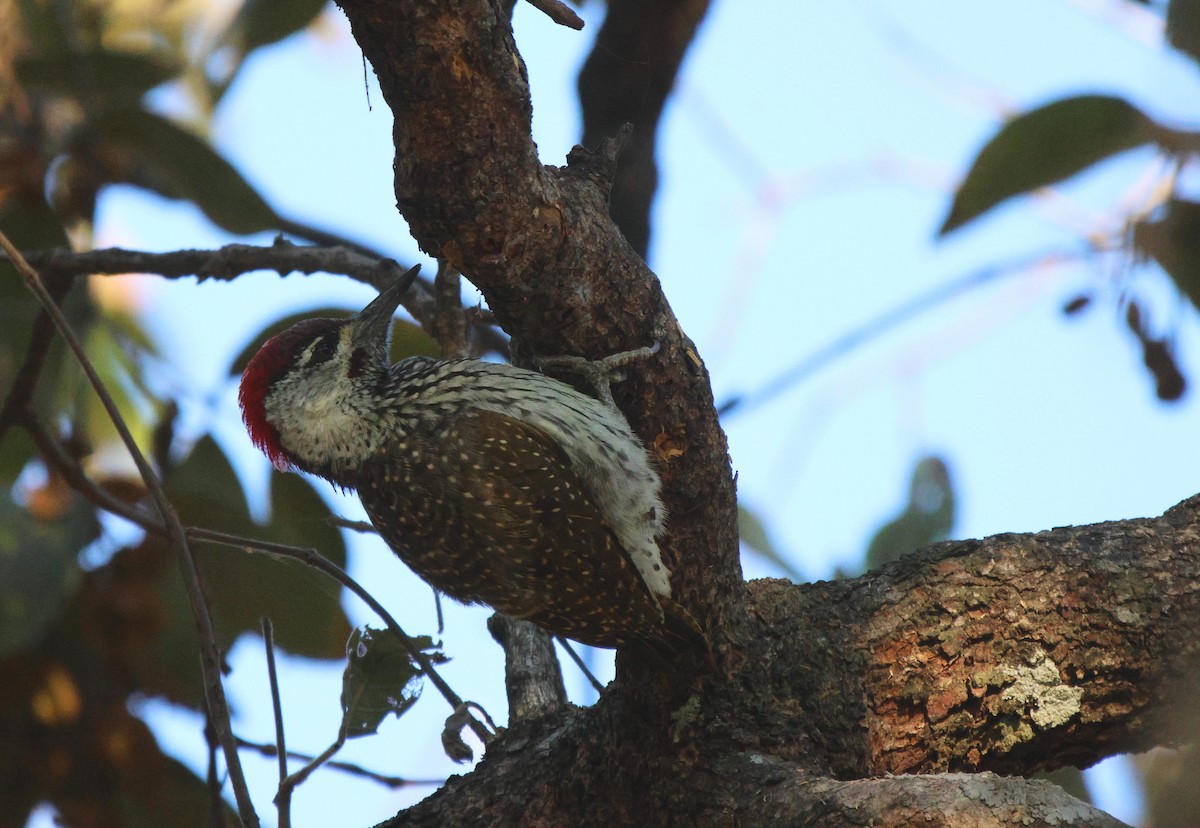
{"type": "Point", "coordinates": [90, 618]}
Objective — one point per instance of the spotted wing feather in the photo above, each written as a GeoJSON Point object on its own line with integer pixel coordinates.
{"type": "Point", "coordinates": [489, 510]}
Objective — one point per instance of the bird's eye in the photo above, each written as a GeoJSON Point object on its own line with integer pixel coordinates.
{"type": "Point", "coordinates": [322, 350]}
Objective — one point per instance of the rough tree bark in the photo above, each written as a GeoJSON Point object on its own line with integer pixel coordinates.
{"type": "Point", "coordinates": [970, 659]}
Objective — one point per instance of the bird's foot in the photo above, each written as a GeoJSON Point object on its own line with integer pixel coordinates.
{"type": "Point", "coordinates": [601, 373]}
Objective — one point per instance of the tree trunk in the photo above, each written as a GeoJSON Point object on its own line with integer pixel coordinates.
{"type": "Point", "coordinates": [1004, 656]}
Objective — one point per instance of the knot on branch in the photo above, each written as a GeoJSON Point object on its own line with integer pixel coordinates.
{"type": "Point", "coordinates": [599, 165]}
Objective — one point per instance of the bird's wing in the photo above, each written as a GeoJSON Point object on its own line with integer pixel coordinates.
{"type": "Point", "coordinates": [489, 509]}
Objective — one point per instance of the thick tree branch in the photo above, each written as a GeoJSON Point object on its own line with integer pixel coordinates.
{"type": "Point", "coordinates": [987, 655]}
{"type": "Point", "coordinates": [1015, 653]}
{"type": "Point", "coordinates": [1011, 654]}
{"type": "Point", "coordinates": [540, 245]}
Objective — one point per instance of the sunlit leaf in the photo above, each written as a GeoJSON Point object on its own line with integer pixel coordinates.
{"type": "Point", "coordinates": [118, 76]}
{"type": "Point", "coordinates": [380, 679]}
{"type": "Point", "coordinates": [1047, 145]}
{"type": "Point", "coordinates": [1183, 26]}
{"type": "Point", "coordinates": [121, 378]}
{"type": "Point", "coordinates": [753, 535]}
{"type": "Point", "coordinates": [407, 339]}
{"type": "Point", "coordinates": [158, 154]}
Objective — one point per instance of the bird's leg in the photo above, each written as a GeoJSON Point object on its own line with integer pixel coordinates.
{"type": "Point", "coordinates": [601, 373]}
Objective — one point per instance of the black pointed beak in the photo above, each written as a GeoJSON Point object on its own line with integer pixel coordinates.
{"type": "Point", "coordinates": [372, 323]}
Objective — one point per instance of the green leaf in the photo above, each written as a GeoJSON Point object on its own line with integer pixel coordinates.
{"type": "Point", "coordinates": [31, 224]}
{"type": "Point", "coordinates": [179, 798]}
{"type": "Point", "coordinates": [121, 377]}
{"type": "Point", "coordinates": [407, 339]}
{"type": "Point", "coordinates": [1173, 240]}
{"type": "Point", "coordinates": [260, 22]}
{"type": "Point", "coordinates": [753, 535]}
{"type": "Point", "coordinates": [118, 76]}
{"type": "Point", "coordinates": [1183, 26]}
{"type": "Point", "coordinates": [1047, 145]}
{"type": "Point", "coordinates": [304, 604]}
{"type": "Point", "coordinates": [927, 518]}
{"type": "Point", "coordinates": [160, 155]}
{"type": "Point", "coordinates": [380, 678]}
{"type": "Point", "coordinates": [41, 25]}
{"type": "Point", "coordinates": [16, 450]}
{"type": "Point", "coordinates": [38, 568]}
{"type": "Point", "coordinates": [243, 586]}
{"type": "Point", "coordinates": [411, 340]}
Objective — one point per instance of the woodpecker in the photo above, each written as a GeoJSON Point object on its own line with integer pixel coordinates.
{"type": "Point", "coordinates": [497, 485]}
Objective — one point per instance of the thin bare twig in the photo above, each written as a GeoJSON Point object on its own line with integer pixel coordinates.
{"type": "Point", "coordinates": [314, 559]}
{"type": "Point", "coordinates": [233, 260]}
{"type": "Point", "coordinates": [289, 784]}
{"type": "Point", "coordinates": [887, 321]}
{"type": "Point", "coordinates": [283, 257]}
{"type": "Point", "coordinates": [283, 803]}
{"type": "Point", "coordinates": [583, 668]}
{"type": "Point", "coordinates": [210, 657]}
{"type": "Point", "coordinates": [353, 525]}
{"type": "Point", "coordinates": [269, 750]}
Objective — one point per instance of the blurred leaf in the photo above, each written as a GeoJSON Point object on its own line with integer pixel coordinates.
{"type": "Point", "coordinates": [122, 612]}
{"type": "Point", "coordinates": [16, 450]}
{"type": "Point", "coordinates": [1070, 780]}
{"type": "Point", "coordinates": [380, 678]}
{"type": "Point", "coordinates": [304, 604]}
{"type": "Point", "coordinates": [411, 340]}
{"type": "Point", "coordinates": [407, 339]}
{"type": "Point", "coordinates": [31, 224]}
{"type": "Point", "coordinates": [1183, 26]}
{"type": "Point", "coordinates": [179, 798]}
{"type": "Point", "coordinates": [38, 564]}
{"type": "Point", "coordinates": [1173, 240]}
{"type": "Point", "coordinates": [753, 535]}
{"type": "Point", "coordinates": [1158, 355]}
{"type": "Point", "coordinates": [1173, 788]}
{"type": "Point", "coordinates": [121, 378]}
{"type": "Point", "coordinates": [127, 329]}
{"type": "Point", "coordinates": [160, 155]}
{"type": "Point", "coordinates": [118, 76]}
{"type": "Point", "coordinates": [260, 22]}
{"type": "Point", "coordinates": [1077, 305]}
{"type": "Point", "coordinates": [113, 772]}
{"type": "Point", "coordinates": [1047, 145]}
{"type": "Point", "coordinates": [41, 24]}
{"type": "Point", "coordinates": [927, 518]}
